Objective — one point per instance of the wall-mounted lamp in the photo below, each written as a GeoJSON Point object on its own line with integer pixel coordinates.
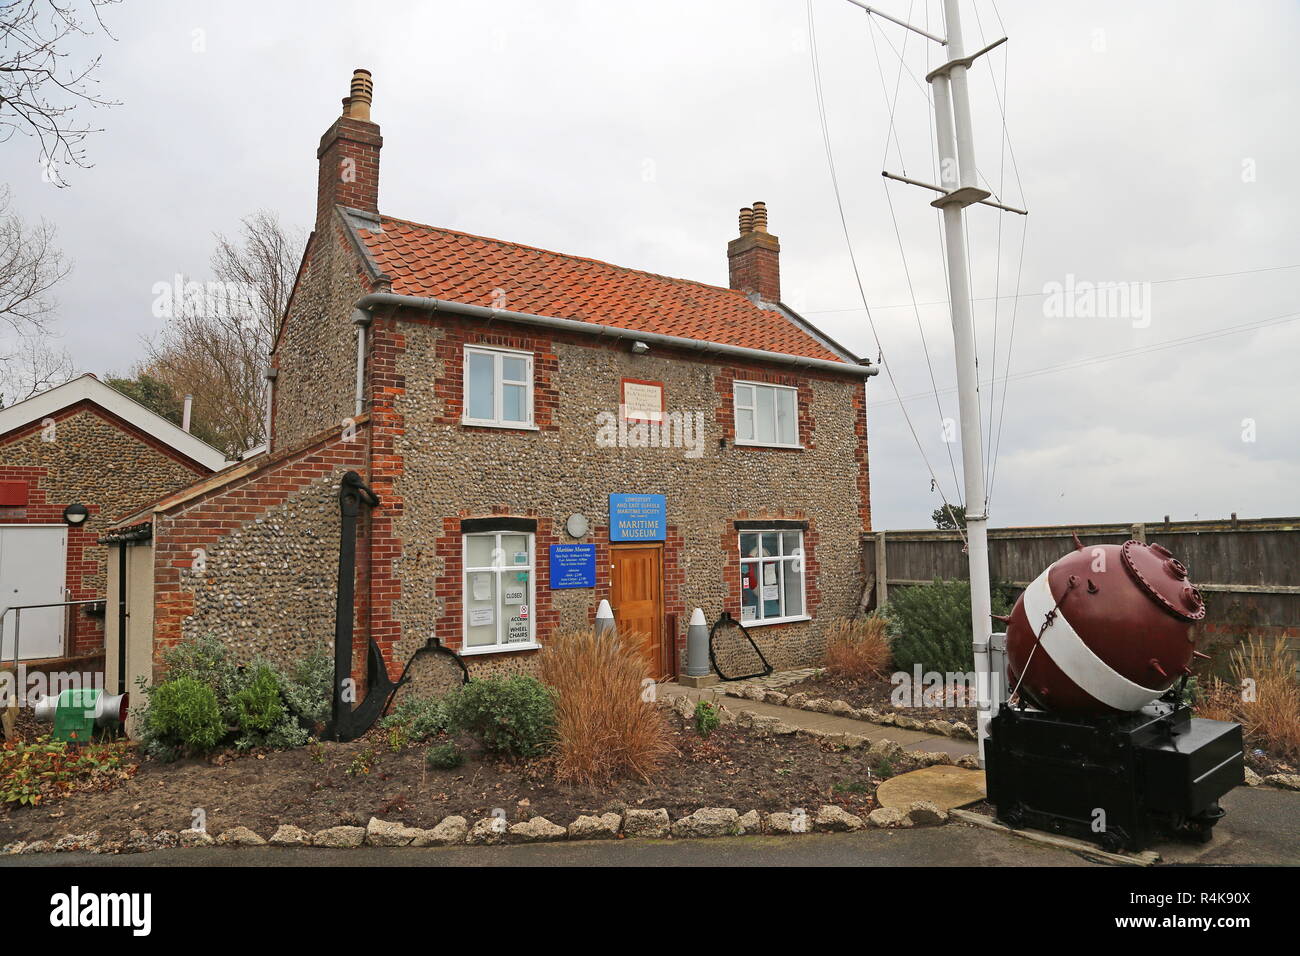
{"type": "Point", "coordinates": [640, 348]}
{"type": "Point", "coordinates": [74, 516]}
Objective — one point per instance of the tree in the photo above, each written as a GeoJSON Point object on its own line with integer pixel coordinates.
{"type": "Point", "coordinates": [30, 267]}
{"type": "Point", "coordinates": [42, 91]}
{"type": "Point", "coordinates": [219, 334]}
{"type": "Point", "coordinates": [949, 517]}
{"type": "Point", "coordinates": [160, 398]}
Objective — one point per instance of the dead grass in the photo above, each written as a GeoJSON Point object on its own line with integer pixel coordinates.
{"type": "Point", "coordinates": [857, 650]}
{"type": "Point", "coordinates": [607, 724]}
{"type": "Point", "coordinates": [1264, 697]}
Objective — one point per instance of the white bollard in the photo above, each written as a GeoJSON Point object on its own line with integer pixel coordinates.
{"type": "Point", "coordinates": [604, 618]}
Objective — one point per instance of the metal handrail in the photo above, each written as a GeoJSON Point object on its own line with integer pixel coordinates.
{"type": "Point", "coordinates": [18, 618]}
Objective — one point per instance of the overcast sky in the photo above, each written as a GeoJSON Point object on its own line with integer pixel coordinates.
{"type": "Point", "coordinates": [1154, 141]}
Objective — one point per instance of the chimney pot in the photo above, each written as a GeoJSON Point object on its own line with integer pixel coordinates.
{"type": "Point", "coordinates": [754, 257]}
{"type": "Point", "coordinates": [357, 105]}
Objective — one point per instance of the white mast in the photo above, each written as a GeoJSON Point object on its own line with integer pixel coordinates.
{"type": "Point", "coordinates": [958, 186]}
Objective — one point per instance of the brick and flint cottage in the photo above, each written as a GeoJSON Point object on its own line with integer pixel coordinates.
{"type": "Point", "coordinates": [542, 431]}
{"type": "Point", "coordinates": [73, 459]}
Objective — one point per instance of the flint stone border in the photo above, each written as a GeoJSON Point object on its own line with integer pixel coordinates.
{"type": "Point", "coordinates": [707, 822]}
{"type": "Point", "coordinates": [450, 831]}
{"type": "Point", "coordinates": [383, 833]}
{"type": "Point", "coordinates": [923, 813]}
{"type": "Point", "coordinates": [783, 823]}
{"type": "Point", "coordinates": [1287, 781]}
{"type": "Point", "coordinates": [536, 830]}
{"type": "Point", "coordinates": [288, 835]}
{"type": "Point", "coordinates": [653, 824]}
{"type": "Point", "coordinates": [240, 836]}
{"type": "Point", "coordinates": [833, 819]}
{"type": "Point", "coordinates": [603, 827]}
{"type": "Point", "coordinates": [885, 817]}
{"type": "Point", "coordinates": [339, 837]}
{"type": "Point", "coordinates": [192, 837]}
{"type": "Point", "coordinates": [489, 831]}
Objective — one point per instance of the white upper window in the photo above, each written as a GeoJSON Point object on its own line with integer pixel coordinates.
{"type": "Point", "coordinates": [771, 577]}
{"type": "Point", "coordinates": [498, 387]}
{"type": "Point", "coordinates": [498, 592]}
{"type": "Point", "coordinates": [766, 415]}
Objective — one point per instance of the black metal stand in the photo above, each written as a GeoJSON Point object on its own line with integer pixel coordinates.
{"type": "Point", "coordinates": [1119, 781]}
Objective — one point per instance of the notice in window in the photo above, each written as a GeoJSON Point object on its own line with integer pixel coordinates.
{"type": "Point", "coordinates": [747, 612]}
{"type": "Point", "coordinates": [483, 587]}
{"type": "Point", "coordinates": [513, 594]}
{"type": "Point", "coordinates": [517, 631]}
{"type": "Point", "coordinates": [480, 616]}
{"type": "Point", "coordinates": [769, 592]}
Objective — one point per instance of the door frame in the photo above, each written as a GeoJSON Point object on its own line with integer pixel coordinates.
{"type": "Point", "coordinates": [661, 625]}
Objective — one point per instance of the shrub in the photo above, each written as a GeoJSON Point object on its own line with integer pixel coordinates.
{"type": "Point", "coordinates": [183, 717]}
{"type": "Point", "coordinates": [858, 650]}
{"type": "Point", "coordinates": [1266, 672]}
{"type": "Point", "coordinates": [444, 756]}
{"type": "Point", "coordinates": [514, 716]}
{"type": "Point", "coordinates": [419, 718]}
{"type": "Point", "coordinates": [307, 691]}
{"type": "Point", "coordinates": [257, 705]}
{"type": "Point", "coordinates": [930, 625]}
{"type": "Point", "coordinates": [607, 725]}
{"type": "Point", "coordinates": [707, 718]}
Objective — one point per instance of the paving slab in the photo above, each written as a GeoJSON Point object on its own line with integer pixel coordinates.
{"type": "Point", "coordinates": [826, 723]}
{"type": "Point", "coordinates": [945, 787]}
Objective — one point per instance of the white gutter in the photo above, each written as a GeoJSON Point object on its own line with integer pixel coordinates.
{"type": "Point", "coordinates": [367, 302]}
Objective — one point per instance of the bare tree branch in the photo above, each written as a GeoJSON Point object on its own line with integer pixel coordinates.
{"type": "Point", "coordinates": [219, 335]}
{"type": "Point", "coordinates": [42, 90]}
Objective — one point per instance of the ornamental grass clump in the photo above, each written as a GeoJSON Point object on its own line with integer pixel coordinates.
{"type": "Point", "coordinates": [607, 723]}
{"type": "Point", "coordinates": [858, 650]}
{"type": "Point", "coordinates": [1265, 699]}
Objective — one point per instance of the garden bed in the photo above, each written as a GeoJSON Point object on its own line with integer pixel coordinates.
{"type": "Point", "coordinates": [875, 694]}
{"type": "Point", "coordinates": [311, 787]}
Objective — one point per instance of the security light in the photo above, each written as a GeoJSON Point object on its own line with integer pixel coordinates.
{"type": "Point", "coordinates": [640, 347]}
{"type": "Point", "coordinates": [75, 515]}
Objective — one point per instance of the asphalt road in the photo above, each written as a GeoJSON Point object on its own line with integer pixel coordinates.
{"type": "Point", "coordinates": [1262, 827]}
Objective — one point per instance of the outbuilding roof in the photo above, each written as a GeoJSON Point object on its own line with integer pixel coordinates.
{"type": "Point", "coordinates": [87, 388]}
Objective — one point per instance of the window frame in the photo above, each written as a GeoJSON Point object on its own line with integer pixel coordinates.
{"type": "Point", "coordinates": [752, 408]}
{"type": "Point", "coordinates": [498, 355]}
{"type": "Point", "coordinates": [501, 646]}
{"type": "Point", "coordinates": [780, 560]}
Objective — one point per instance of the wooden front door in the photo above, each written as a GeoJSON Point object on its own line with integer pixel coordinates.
{"type": "Point", "coordinates": [637, 598]}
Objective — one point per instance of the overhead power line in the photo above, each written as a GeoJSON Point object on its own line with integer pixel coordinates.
{"type": "Point", "coordinates": [1199, 337]}
{"type": "Point", "coordinates": [1029, 292]}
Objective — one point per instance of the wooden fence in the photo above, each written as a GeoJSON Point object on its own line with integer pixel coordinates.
{"type": "Point", "coordinates": [1247, 570]}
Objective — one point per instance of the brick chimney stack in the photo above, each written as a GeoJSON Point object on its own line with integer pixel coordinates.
{"type": "Point", "coordinates": [754, 259]}
{"type": "Point", "coordinates": [349, 155]}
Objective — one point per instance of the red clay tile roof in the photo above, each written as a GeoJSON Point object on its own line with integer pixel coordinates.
{"type": "Point", "coordinates": [444, 264]}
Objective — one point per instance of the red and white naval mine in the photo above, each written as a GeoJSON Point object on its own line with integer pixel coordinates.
{"type": "Point", "coordinates": [1106, 629]}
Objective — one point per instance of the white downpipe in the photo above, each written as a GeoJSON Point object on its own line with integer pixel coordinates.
{"type": "Point", "coordinates": [361, 319]}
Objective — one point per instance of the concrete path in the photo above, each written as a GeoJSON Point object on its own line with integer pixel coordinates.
{"type": "Point", "coordinates": [827, 723]}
